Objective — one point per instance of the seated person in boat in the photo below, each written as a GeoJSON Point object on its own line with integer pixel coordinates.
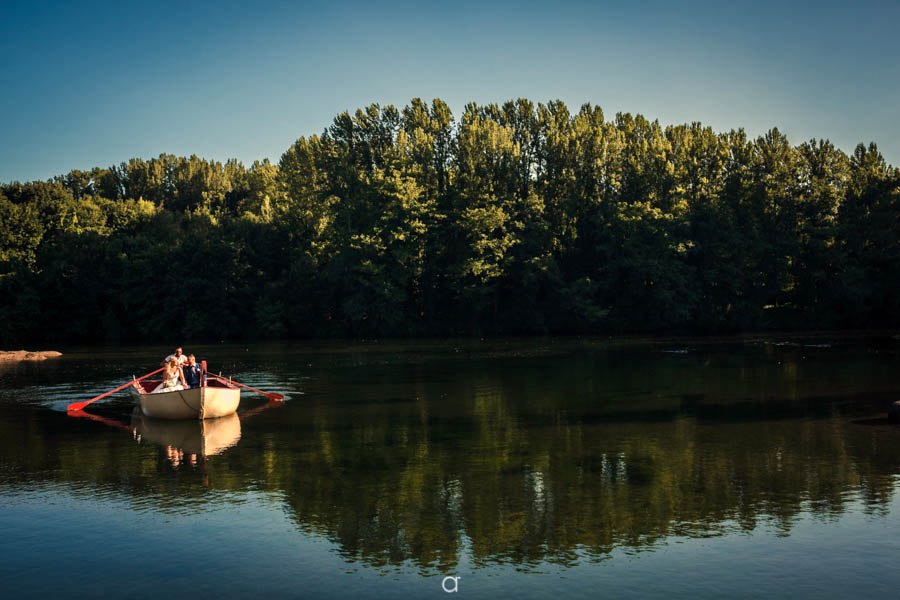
{"type": "Point", "coordinates": [173, 378]}
{"type": "Point", "coordinates": [178, 355]}
{"type": "Point", "coordinates": [192, 372]}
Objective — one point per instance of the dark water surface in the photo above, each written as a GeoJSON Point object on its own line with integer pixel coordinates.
{"type": "Point", "coordinates": [756, 467]}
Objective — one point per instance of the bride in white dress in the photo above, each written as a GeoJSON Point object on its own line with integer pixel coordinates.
{"type": "Point", "coordinates": [173, 378]}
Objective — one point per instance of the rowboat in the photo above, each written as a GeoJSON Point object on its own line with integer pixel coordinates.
{"type": "Point", "coordinates": [218, 398]}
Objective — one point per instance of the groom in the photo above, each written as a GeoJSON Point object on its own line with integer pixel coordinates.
{"type": "Point", "coordinates": [192, 372]}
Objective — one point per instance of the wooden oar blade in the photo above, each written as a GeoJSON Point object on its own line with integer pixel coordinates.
{"type": "Point", "coordinates": [76, 406]}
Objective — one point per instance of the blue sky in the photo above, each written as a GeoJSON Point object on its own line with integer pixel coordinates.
{"type": "Point", "coordinates": [95, 83]}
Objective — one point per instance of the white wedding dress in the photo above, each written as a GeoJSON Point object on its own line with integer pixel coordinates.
{"type": "Point", "coordinates": [170, 383]}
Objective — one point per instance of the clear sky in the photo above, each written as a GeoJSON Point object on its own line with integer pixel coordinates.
{"type": "Point", "coordinates": [86, 84]}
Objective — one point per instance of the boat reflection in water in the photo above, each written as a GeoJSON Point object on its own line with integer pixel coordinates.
{"type": "Point", "coordinates": [185, 441]}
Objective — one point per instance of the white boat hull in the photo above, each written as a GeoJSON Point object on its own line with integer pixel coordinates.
{"type": "Point", "coordinates": [218, 399]}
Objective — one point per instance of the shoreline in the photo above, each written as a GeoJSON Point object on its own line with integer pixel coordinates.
{"type": "Point", "coordinates": [22, 355]}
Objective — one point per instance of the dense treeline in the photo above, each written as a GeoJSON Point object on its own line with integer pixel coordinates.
{"type": "Point", "coordinates": [518, 218]}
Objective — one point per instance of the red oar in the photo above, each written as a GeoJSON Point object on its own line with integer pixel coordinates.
{"type": "Point", "coordinates": [81, 405]}
{"type": "Point", "coordinates": [249, 413]}
{"type": "Point", "coordinates": [269, 395]}
{"type": "Point", "coordinates": [104, 420]}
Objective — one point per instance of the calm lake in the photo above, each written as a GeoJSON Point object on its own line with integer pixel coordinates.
{"type": "Point", "coordinates": [752, 467]}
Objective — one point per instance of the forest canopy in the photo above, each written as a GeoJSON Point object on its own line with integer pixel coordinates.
{"type": "Point", "coordinates": [518, 218]}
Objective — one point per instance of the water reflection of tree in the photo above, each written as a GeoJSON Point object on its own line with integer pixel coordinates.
{"type": "Point", "coordinates": [493, 470]}
{"type": "Point", "coordinates": [387, 489]}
